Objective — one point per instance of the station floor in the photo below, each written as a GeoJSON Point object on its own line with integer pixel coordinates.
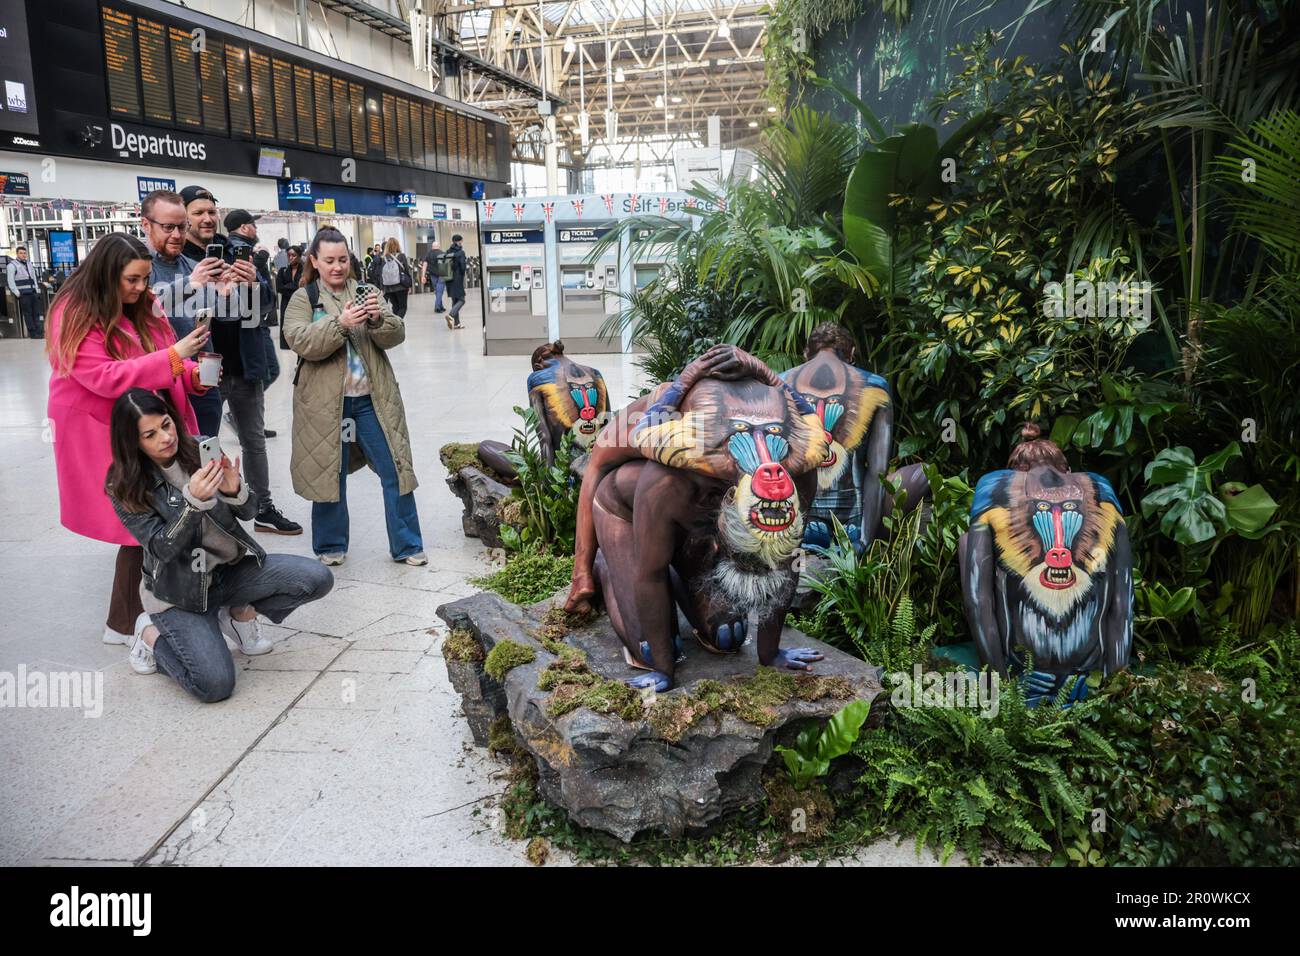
{"type": "Point", "coordinates": [343, 746]}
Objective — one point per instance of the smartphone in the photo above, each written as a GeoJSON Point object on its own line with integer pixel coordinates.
{"type": "Point", "coordinates": [362, 294]}
{"type": "Point", "coordinates": [203, 319]}
{"type": "Point", "coordinates": [243, 252]}
{"type": "Point", "coordinates": [209, 450]}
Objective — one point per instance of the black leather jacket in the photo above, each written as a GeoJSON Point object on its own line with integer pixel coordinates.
{"type": "Point", "coordinates": [171, 530]}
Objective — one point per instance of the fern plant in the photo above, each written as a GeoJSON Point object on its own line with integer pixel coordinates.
{"type": "Point", "coordinates": [955, 779]}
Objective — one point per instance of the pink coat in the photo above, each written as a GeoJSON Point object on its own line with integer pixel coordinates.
{"type": "Point", "coordinates": [79, 409]}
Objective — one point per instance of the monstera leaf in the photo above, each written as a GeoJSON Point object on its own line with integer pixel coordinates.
{"type": "Point", "coordinates": [1249, 509]}
{"type": "Point", "coordinates": [1192, 511]}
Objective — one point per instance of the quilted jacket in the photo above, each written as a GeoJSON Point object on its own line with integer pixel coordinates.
{"type": "Point", "coordinates": [318, 392]}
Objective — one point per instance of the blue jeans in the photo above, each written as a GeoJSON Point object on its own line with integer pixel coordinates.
{"type": "Point", "coordinates": [190, 647]}
{"type": "Point", "coordinates": [439, 286]}
{"type": "Point", "coordinates": [329, 519]}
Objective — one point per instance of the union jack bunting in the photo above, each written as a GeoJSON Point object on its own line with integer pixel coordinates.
{"type": "Point", "coordinates": [608, 199]}
{"type": "Point", "coordinates": [577, 206]}
{"type": "Point", "coordinates": [663, 205]}
{"type": "Point", "coordinates": [519, 211]}
{"type": "Point", "coordinates": [549, 209]}
{"type": "Point", "coordinates": [488, 209]}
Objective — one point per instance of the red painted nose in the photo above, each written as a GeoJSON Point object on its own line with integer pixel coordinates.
{"type": "Point", "coordinates": [1058, 557]}
{"type": "Point", "coordinates": [829, 438]}
{"type": "Point", "coordinates": [587, 413]}
{"type": "Point", "coordinates": [773, 482]}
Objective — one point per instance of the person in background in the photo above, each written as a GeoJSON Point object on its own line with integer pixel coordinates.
{"type": "Point", "coordinates": [205, 579]}
{"type": "Point", "coordinates": [347, 409]}
{"type": "Point", "coordinates": [184, 285]}
{"type": "Point", "coordinates": [373, 253]}
{"type": "Point", "coordinates": [391, 272]}
{"type": "Point", "coordinates": [286, 283]}
{"type": "Point", "coordinates": [54, 279]}
{"type": "Point", "coordinates": [250, 364]}
{"type": "Point", "coordinates": [456, 284]}
{"type": "Point", "coordinates": [21, 277]}
{"type": "Point", "coordinates": [431, 275]}
{"type": "Point", "coordinates": [108, 334]}
{"type": "Point", "coordinates": [281, 258]}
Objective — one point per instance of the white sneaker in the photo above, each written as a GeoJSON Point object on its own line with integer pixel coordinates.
{"type": "Point", "coordinates": [417, 560]}
{"type": "Point", "coordinates": [141, 655]}
{"type": "Point", "coordinates": [115, 637]}
{"type": "Point", "coordinates": [333, 560]}
{"type": "Point", "coordinates": [247, 635]}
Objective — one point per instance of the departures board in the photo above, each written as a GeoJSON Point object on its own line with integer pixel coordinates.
{"type": "Point", "coordinates": [162, 73]}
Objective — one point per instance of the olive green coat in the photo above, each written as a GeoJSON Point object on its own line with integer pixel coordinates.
{"type": "Point", "coordinates": [318, 392]}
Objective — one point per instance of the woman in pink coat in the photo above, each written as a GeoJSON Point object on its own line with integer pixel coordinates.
{"type": "Point", "coordinates": [107, 334]}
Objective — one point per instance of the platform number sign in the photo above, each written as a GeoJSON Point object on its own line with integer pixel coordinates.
{"type": "Point", "coordinates": [298, 189]}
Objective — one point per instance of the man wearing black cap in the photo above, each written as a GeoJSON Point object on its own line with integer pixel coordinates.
{"type": "Point", "coordinates": [242, 343]}
{"type": "Point", "coordinates": [456, 284]}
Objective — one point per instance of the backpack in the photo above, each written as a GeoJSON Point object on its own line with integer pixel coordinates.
{"type": "Point", "coordinates": [313, 296]}
{"type": "Point", "coordinates": [442, 266]}
{"type": "Point", "coordinates": [391, 274]}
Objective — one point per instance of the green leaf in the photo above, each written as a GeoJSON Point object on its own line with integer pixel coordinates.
{"type": "Point", "coordinates": [1249, 510]}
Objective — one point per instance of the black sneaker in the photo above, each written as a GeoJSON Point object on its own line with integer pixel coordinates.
{"type": "Point", "coordinates": [269, 519]}
{"type": "Point", "coordinates": [269, 433]}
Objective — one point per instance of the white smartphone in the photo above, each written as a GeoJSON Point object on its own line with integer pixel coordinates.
{"type": "Point", "coordinates": [202, 318]}
{"type": "Point", "coordinates": [209, 450]}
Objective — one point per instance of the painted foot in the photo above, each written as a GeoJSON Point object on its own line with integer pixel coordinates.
{"type": "Point", "coordinates": [728, 637]}
{"type": "Point", "coordinates": [680, 653]}
{"type": "Point", "coordinates": [654, 679]}
{"type": "Point", "coordinates": [796, 658]}
{"type": "Point", "coordinates": [581, 591]}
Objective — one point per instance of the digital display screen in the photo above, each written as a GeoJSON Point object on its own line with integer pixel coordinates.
{"type": "Point", "coordinates": [342, 115]}
{"type": "Point", "coordinates": [259, 69]}
{"type": "Point", "coordinates": [306, 110]}
{"type": "Point", "coordinates": [155, 71]}
{"type": "Point", "coordinates": [185, 80]}
{"type": "Point", "coordinates": [16, 78]}
{"type": "Point", "coordinates": [390, 128]}
{"type": "Point", "coordinates": [212, 86]}
{"type": "Point", "coordinates": [120, 59]}
{"type": "Point", "coordinates": [241, 114]}
{"type": "Point", "coordinates": [403, 110]}
{"type": "Point", "coordinates": [282, 81]}
{"type": "Point", "coordinates": [270, 162]}
{"type": "Point", "coordinates": [357, 107]}
{"type": "Point", "coordinates": [430, 146]}
{"type": "Point", "coordinates": [374, 125]}
{"type": "Point", "coordinates": [324, 112]}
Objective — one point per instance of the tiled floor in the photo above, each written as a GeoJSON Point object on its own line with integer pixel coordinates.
{"type": "Point", "coordinates": [342, 746]}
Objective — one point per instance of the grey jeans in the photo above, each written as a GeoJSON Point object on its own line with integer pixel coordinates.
{"type": "Point", "coordinates": [190, 647]}
{"type": "Point", "coordinates": [247, 403]}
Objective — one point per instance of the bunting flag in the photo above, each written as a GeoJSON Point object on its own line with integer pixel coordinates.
{"type": "Point", "coordinates": [722, 203]}
{"type": "Point", "coordinates": [632, 200]}
{"type": "Point", "coordinates": [488, 208]}
{"type": "Point", "coordinates": [690, 202]}
{"type": "Point", "coordinates": [663, 205]}
{"type": "Point", "coordinates": [608, 200]}
{"type": "Point", "coordinates": [577, 207]}
{"type": "Point", "coordinates": [519, 211]}
{"type": "Point", "coordinates": [549, 209]}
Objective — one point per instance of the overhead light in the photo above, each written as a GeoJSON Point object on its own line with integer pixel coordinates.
{"type": "Point", "coordinates": [569, 45]}
{"type": "Point", "coordinates": [724, 29]}
{"type": "Point", "coordinates": [677, 99]}
{"type": "Point", "coordinates": [659, 102]}
{"type": "Point", "coordinates": [670, 116]}
{"type": "Point", "coordinates": [723, 61]}
{"type": "Point", "coordinates": [619, 75]}
{"type": "Point", "coordinates": [753, 124]}
{"type": "Point", "coordinates": [771, 109]}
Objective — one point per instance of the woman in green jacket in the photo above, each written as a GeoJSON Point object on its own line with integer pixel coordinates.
{"type": "Point", "coordinates": [347, 409]}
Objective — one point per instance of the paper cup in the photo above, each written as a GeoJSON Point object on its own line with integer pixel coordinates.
{"type": "Point", "coordinates": [209, 368]}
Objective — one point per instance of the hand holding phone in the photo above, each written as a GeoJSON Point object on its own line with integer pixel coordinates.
{"type": "Point", "coordinates": [209, 451]}
{"type": "Point", "coordinates": [205, 481]}
{"type": "Point", "coordinates": [229, 476]}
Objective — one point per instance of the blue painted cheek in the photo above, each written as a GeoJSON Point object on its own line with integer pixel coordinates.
{"type": "Point", "coordinates": [1043, 525]}
{"type": "Point", "coordinates": [1071, 522]}
{"type": "Point", "coordinates": [591, 397]}
{"type": "Point", "coordinates": [831, 416]}
{"type": "Point", "coordinates": [777, 447]}
{"type": "Point", "coordinates": [742, 448]}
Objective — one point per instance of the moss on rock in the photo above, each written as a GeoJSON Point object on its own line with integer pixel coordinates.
{"type": "Point", "coordinates": [461, 645]}
{"type": "Point", "coordinates": [804, 816]}
{"type": "Point", "coordinates": [611, 697]}
{"type": "Point", "coordinates": [538, 850]}
{"type": "Point", "coordinates": [501, 738]}
{"type": "Point", "coordinates": [674, 713]}
{"type": "Point", "coordinates": [505, 656]}
{"type": "Point", "coordinates": [457, 455]}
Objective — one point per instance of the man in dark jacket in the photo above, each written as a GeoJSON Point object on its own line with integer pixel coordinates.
{"type": "Point", "coordinates": [244, 344]}
{"type": "Point", "coordinates": [456, 284]}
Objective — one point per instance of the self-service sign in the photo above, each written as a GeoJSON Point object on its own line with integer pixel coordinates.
{"type": "Point", "coordinates": [512, 237]}
{"type": "Point", "coordinates": [569, 234]}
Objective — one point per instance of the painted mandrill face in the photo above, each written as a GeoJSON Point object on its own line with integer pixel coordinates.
{"type": "Point", "coordinates": [751, 436]}
{"type": "Point", "coordinates": [846, 399]}
{"type": "Point", "coordinates": [574, 398]}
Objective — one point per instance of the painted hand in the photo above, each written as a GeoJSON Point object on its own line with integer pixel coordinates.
{"type": "Point", "coordinates": [796, 658]}
{"type": "Point", "coordinates": [660, 682]}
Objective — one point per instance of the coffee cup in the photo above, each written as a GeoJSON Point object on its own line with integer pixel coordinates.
{"type": "Point", "coordinates": [209, 368]}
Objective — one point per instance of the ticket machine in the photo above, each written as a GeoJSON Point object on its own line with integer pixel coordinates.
{"type": "Point", "coordinates": [648, 258]}
{"type": "Point", "coordinates": [588, 290]}
{"type": "Point", "coordinates": [514, 277]}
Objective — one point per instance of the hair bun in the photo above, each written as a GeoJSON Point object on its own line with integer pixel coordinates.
{"type": "Point", "coordinates": [557, 347]}
{"type": "Point", "coordinates": [1029, 431]}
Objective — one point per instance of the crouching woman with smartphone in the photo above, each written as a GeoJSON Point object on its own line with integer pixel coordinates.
{"type": "Point", "coordinates": [205, 579]}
